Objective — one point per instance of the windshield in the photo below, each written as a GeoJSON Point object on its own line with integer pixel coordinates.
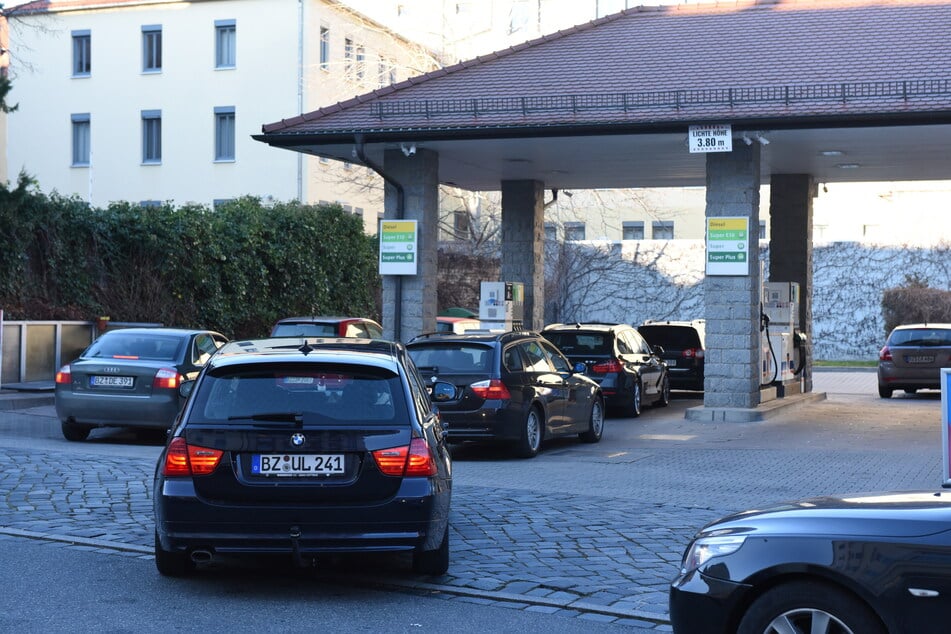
{"type": "Point", "coordinates": [304, 330]}
{"type": "Point", "coordinates": [122, 345]}
{"type": "Point", "coordinates": [571, 343]}
{"type": "Point", "coordinates": [455, 358]}
{"type": "Point", "coordinates": [922, 337]}
{"type": "Point", "coordinates": [307, 392]}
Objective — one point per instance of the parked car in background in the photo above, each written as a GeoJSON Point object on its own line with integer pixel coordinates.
{"type": "Point", "coordinates": [456, 324]}
{"type": "Point", "coordinates": [512, 387]}
{"type": "Point", "coordinates": [323, 447]}
{"type": "Point", "coordinates": [860, 564]}
{"type": "Point", "coordinates": [130, 378]}
{"type": "Point", "coordinates": [912, 358]}
{"type": "Point", "coordinates": [629, 370]}
{"type": "Point", "coordinates": [327, 327]}
{"type": "Point", "coordinates": [684, 349]}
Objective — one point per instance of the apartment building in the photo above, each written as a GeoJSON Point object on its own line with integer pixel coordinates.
{"type": "Point", "coordinates": [149, 101]}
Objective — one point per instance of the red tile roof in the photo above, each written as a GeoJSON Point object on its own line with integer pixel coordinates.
{"type": "Point", "coordinates": [771, 60]}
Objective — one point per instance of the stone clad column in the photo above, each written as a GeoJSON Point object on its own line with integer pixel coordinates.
{"type": "Point", "coordinates": [523, 256]}
{"type": "Point", "coordinates": [416, 311]}
{"type": "Point", "coordinates": [731, 367]}
{"type": "Point", "coordinates": [790, 247]}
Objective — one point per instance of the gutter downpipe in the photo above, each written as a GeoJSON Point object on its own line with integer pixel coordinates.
{"type": "Point", "coordinates": [400, 206]}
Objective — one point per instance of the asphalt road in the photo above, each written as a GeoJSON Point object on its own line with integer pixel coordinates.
{"type": "Point", "coordinates": [583, 533]}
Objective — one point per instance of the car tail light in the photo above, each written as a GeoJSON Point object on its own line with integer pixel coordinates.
{"type": "Point", "coordinates": [884, 355]}
{"type": "Point", "coordinates": [182, 459]}
{"type": "Point", "coordinates": [493, 389]}
{"type": "Point", "coordinates": [167, 378]}
{"type": "Point", "coordinates": [414, 459]}
{"type": "Point", "coordinates": [693, 353]}
{"type": "Point", "coordinates": [607, 367]}
{"type": "Point", "coordinates": [64, 375]}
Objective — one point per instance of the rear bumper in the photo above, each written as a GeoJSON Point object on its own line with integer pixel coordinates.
{"type": "Point", "coordinates": [489, 423]}
{"type": "Point", "coordinates": [156, 411]}
{"type": "Point", "coordinates": [908, 378]}
{"type": "Point", "coordinates": [415, 519]}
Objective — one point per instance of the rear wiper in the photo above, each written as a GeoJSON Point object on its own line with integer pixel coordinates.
{"type": "Point", "coordinates": [277, 417]}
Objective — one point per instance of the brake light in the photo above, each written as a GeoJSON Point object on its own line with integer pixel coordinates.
{"type": "Point", "coordinates": [167, 378]}
{"type": "Point", "coordinates": [607, 367]}
{"type": "Point", "coordinates": [693, 353]}
{"type": "Point", "coordinates": [64, 375]}
{"type": "Point", "coordinates": [413, 460]}
{"type": "Point", "coordinates": [493, 389]}
{"type": "Point", "coordinates": [182, 459]}
{"type": "Point", "coordinates": [884, 355]}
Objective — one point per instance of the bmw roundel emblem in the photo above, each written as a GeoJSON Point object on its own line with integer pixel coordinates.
{"type": "Point", "coordinates": [298, 440]}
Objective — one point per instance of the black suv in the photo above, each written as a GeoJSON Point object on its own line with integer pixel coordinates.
{"type": "Point", "coordinates": [629, 370]}
{"type": "Point", "coordinates": [683, 344]}
{"type": "Point", "coordinates": [296, 448]}
{"type": "Point", "coordinates": [514, 387]}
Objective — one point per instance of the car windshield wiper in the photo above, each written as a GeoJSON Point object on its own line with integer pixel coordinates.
{"type": "Point", "coordinates": [276, 417]}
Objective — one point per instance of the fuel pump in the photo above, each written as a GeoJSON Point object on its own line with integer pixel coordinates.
{"type": "Point", "coordinates": [780, 350]}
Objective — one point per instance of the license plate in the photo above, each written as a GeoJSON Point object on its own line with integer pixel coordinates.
{"type": "Point", "coordinates": [110, 381]}
{"type": "Point", "coordinates": [672, 363]}
{"type": "Point", "coordinates": [297, 464]}
{"type": "Point", "coordinates": [921, 358]}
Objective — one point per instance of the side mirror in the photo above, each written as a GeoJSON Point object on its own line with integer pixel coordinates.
{"type": "Point", "coordinates": [185, 389]}
{"type": "Point", "coordinates": [442, 391]}
{"type": "Point", "coordinates": [658, 350]}
{"type": "Point", "coordinates": [580, 368]}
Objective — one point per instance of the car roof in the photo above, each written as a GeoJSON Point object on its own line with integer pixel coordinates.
{"type": "Point", "coordinates": [598, 326]}
{"type": "Point", "coordinates": [473, 336]}
{"type": "Point", "coordinates": [694, 323]}
{"type": "Point", "coordinates": [924, 325]}
{"type": "Point", "coordinates": [351, 350]}
{"type": "Point", "coordinates": [162, 331]}
{"type": "Point", "coordinates": [320, 319]}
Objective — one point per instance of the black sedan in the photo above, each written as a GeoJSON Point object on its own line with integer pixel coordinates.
{"type": "Point", "coordinates": [130, 378]}
{"type": "Point", "coordinates": [513, 387]}
{"type": "Point", "coordinates": [859, 564]}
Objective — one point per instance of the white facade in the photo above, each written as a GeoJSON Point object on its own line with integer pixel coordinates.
{"type": "Point", "coordinates": [274, 66]}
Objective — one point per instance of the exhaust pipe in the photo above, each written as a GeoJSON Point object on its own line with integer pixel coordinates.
{"type": "Point", "coordinates": [201, 556]}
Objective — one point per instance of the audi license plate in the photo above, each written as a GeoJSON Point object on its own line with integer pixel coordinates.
{"type": "Point", "coordinates": [297, 464]}
{"type": "Point", "coordinates": [921, 358]}
{"type": "Point", "coordinates": [671, 363]}
{"type": "Point", "coordinates": [110, 381]}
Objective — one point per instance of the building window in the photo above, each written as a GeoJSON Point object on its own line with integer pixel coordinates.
{"type": "Point", "coordinates": [348, 57]}
{"type": "Point", "coordinates": [762, 229]}
{"type": "Point", "coordinates": [381, 71]}
{"type": "Point", "coordinates": [81, 150]}
{"type": "Point", "coordinates": [152, 48]}
{"type": "Point", "coordinates": [662, 230]}
{"type": "Point", "coordinates": [574, 231]}
{"type": "Point", "coordinates": [519, 16]}
{"type": "Point", "coordinates": [632, 230]}
{"type": "Point", "coordinates": [225, 43]}
{"type": "Point", "coordinates": [224, 133]}
{"type": "Point", "coordinates": [82, 53]}
{"type": "Point", "coordinates": [324, 48]}
{"type": "Point", "coordinates": [151, 136]}
{"type": "Point", "coordinates": [392, 71]}
{"type": "Point", "coordinates": [551, 231]}
{"type": "Point", "coordinates": [361, 62]}
{"type": "Point", "coordinates": [460, 224]}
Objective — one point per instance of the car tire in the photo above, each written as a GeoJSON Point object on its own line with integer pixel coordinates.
{"type": "Point", "coordinates": [433, 562]}
{"type": "Point", "coordinates": [74, 432]}
{"type": "Point", "coordinates": [533, 431]}
{"type": "Point", "coordinates": [637, 405]}
{"type": "Point", "coordinates": [595, 422]}
{"type": "Point", "coordinates": [885, 392]}
{"type": "Point", "coordinates": [803, 603]}
{"type": "Point", "coordinates": [172, 564]}
{"type": "Point", "coordinates": [664, 398]}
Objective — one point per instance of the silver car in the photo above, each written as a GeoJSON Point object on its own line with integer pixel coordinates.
{"type": "Point", "coordinates": [131, 378]}
{"type": "Point", "coordinates": [913, 357]}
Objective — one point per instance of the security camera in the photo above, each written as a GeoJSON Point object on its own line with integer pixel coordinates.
{"type": "Point", "coordinates": [408, 150]}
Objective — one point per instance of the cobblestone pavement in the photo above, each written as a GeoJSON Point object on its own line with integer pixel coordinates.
{"type": "Point", "coordinates": [593, 530]}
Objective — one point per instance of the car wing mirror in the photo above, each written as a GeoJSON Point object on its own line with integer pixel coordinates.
{"type": "Point", "coordinates": [185, 389]}
{"type": "Point", "coordinates": [658, 350]}
{"type": "Point", "coordinates": [442, 391]}
{"type": "Point", "coordinates": [580, 368]}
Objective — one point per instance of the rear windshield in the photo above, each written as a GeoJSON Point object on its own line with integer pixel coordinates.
{"type": "Point", "coordinates": [316, 393]}
{"type": "Point", "coordinates": [304, 330]}
{"type": "Point", "coordinates": [121, 345]}
{"type": "Point", "coordinates": [571, 343]}
{"type": "Point", "coordinates": [671, 337]}
{"type": "Point", "coordinates": [455, 358]}
{"type": "Point", "coordinates": [922, 337]}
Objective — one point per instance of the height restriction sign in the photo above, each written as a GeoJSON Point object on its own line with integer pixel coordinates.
{"type": "Point", "coordinates": [711, 138]}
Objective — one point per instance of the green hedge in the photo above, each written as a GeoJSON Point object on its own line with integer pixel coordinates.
{"type": "Point", "coordinates": [236, 268]}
